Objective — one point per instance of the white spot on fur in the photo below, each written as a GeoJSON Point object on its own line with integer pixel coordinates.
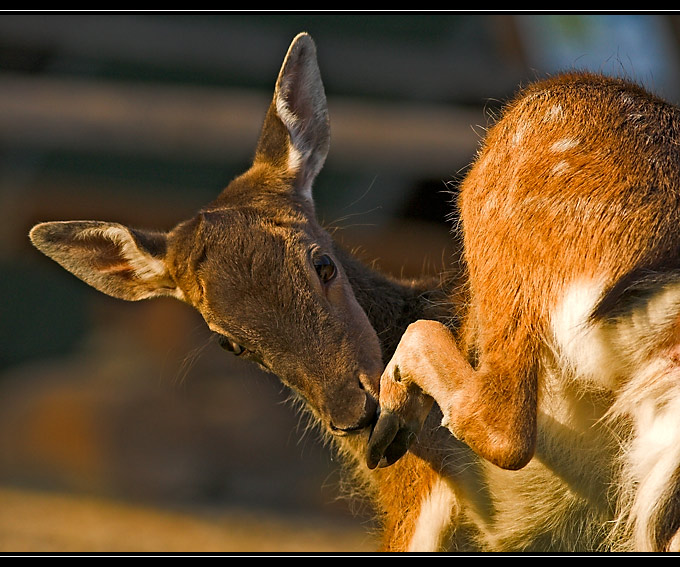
{"type": "Point", "coordinates": [489, 205]}
{"type": "Point", "coordinates": [556, 112]}
{"type": "Point", "coordinates": [519, 133]}
{"type": "Point", "coordinates": [564, 145]}
{"type": "Point", "coordinates": [561, 167]}
{"type": "Point", "coordinates": [436, 511]}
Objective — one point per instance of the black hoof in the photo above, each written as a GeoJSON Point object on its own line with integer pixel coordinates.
{"type": "Point", "coordinates": [389, 441]}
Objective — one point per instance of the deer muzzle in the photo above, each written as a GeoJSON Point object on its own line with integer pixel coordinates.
{"type": "Point", "coordinates": [360, 416]}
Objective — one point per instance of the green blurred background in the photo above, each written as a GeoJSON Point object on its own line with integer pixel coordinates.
{"type": "Point", "coordinates": [141, 119]}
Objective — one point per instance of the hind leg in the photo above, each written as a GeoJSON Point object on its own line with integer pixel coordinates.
{"type": "Point", "coordinates": [491, 408]}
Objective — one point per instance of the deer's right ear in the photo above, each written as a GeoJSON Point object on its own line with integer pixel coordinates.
{"type": "Point", "coordinates": [296, 135]}
{"type": "Point", "coordinates": [118, 261]}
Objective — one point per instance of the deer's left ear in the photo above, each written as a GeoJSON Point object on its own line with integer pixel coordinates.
{"type": "Point", "coordinates": [116, 260]}
{"type": "Point", "coordinates": [296, 134]}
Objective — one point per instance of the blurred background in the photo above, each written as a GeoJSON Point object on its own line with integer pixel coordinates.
{"type": "Point", "coordinates": [122, 427]}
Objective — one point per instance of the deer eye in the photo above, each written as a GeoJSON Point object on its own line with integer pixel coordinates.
{"type": "Point", "coordinates": [230, 346]}
{"type": "Point", "coordinates": [325, 268]}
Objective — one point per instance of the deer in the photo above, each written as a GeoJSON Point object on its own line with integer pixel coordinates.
{"type": "Point", "coordinates": [527, 400]}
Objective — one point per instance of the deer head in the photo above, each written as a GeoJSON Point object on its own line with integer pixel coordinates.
{"type": "Point", "coordinates": [255, 263]}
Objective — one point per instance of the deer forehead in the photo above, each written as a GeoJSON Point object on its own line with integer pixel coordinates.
{"type": "Point", "coordinates": [240, 253]}
{"type": "Point", "coordinates": [266, 256]}
{"type": "Point", "coordinates": [237, 252]}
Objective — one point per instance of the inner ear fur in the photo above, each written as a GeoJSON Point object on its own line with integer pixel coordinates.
{"type": "Point", "coordinates": [114, 259]}
{"type": "Point", "coordinates": [295, 137]}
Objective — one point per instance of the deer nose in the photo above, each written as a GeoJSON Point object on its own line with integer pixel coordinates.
{"type": "Point", "coordinates": [367, 417]}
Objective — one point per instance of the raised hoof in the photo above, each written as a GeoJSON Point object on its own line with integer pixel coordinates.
{"type": "Point", "coordinates": [389, 441]}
